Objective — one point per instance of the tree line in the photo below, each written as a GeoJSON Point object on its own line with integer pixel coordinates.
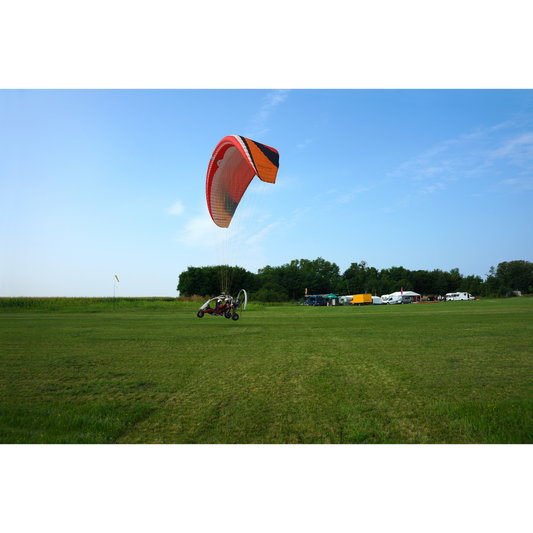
{"type": "Point", "coordinates": [289, 281]}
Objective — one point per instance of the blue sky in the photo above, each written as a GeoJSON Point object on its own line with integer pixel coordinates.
{"type": "Point", "coordinates": [102, 182]}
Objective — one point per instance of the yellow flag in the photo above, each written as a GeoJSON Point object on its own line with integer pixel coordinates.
{"type": "Point", "coordinates": [117, 278]}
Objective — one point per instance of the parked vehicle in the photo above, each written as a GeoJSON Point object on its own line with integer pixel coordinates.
{"type": "Point", "coordinates": [395, 295]}
{"type": "Point", "coordinates": [459, 296]}
{"type": "Point", "coordinates": [401, 300]}
{"type": "Point", "coordinates": [315, 300]}
{"type": "Point", "coordinates": [361, 299]}
{"type": "Point", "coordinates": [376, 300]}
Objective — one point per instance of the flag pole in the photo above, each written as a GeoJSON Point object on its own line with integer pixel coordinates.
{"type": "Point", "coordinates": [114, 286]}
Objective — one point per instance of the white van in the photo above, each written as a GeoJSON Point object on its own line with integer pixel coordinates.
{"type": "Point", "coordinates": [345, 300]}
{"type": "Point", "coordinates": [392, 299]}
{"type": "Point", "coordinates": [376, 300]}
{"type": "Point", "coordinates": [459, 296]}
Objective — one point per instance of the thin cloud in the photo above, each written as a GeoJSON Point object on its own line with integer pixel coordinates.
{"type": "Point", "coordinates": [282, 224]}
{"type": "Point", "coordinates": [197, 233]}
{"type": "Point", "coordinates": [431, 189]}
{"type": "Point", "coordinates": [484, 154]}
{"type": "Point", "coordinates": [258, 123]}
{"type": "Point", "coordinates": [349, 197]}
{"type": "Point", "coordinates": [306, 143]}
{"type": "Point", "coordinates": [260, 235]}
{"type": "Point", "coordinates": [176, 209]}
{"type": "Point", "coordinates": [518, 184]}
{"type": "Point", "coordinates": [518, 149]}
{"type": "Point", "coordinates": [275, 97]}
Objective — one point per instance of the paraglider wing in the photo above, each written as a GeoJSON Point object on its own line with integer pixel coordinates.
{"type": "Point", "coordinates": [234, 163]}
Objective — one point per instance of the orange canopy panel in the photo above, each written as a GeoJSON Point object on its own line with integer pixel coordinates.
{"type": "Point", "coordinates": [234, 163]}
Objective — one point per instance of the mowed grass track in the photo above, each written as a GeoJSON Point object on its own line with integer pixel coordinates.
{"type": "Point", "coordinates": [454, 372]}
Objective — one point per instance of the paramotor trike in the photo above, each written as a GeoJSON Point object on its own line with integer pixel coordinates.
{"type": "Point", "coordinates": [225, 305]}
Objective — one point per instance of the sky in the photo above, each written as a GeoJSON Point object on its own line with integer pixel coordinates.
{"type": "Point", "coordinates": [98, 183]}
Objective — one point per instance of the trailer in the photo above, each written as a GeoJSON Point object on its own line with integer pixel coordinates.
{"type": "Point", "coordinates": [451, 296]}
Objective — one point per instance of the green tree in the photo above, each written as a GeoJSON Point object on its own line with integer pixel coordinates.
{"type": "Point", "coordinates": [320, 277]}
{"type": "Point", "coordinates": [199, 280]}
{"type": "Point", "coordinates": [472, 284]}
{"type": "Point", "coordinates": [404, 284]}
{"type": "Point", "coordinates": [424, 282]}
{"type": "Point", "coordinates": [515, 275]}
{"type": "Point", "coordinates": [355, 277]}
{"type": "Point", "coordinates": [271, 292]}
{"type": "Point", "coordinates": [205, 281]}
{"type": "Point", "coordinates": [491, 284]}
{"type": "Point", "coordinates": [454, 280]}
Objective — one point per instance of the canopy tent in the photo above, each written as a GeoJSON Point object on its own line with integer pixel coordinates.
{"type": "Point", "coordinates": [330, 296]}
{"type": "Point", "coordinates": [397, 294]}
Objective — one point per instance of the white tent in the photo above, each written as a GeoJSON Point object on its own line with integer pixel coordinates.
{"type": "Point", "coordinates": [405, 293]}
{"type": "Point", "coordinates": [396, 295]}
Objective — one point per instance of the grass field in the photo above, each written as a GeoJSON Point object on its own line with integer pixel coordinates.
{"type": "Point", "coordinates": [72, 371]}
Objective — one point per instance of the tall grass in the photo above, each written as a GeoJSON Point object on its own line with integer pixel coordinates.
{"type": "Point", "coordinates": [87, 305]}
{"type": "Point", "coordinates": [110, 304]}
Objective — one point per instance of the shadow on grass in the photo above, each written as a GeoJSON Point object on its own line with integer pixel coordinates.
{"type": "Point", "coordinates": [91, 424]}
